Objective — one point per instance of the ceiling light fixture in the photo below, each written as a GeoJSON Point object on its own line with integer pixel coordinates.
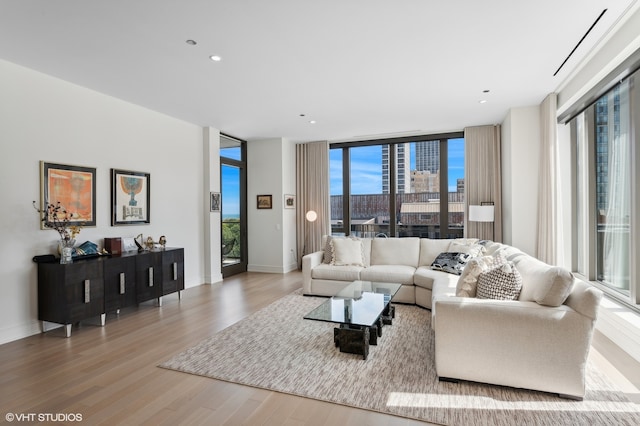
{"type": "Point", "coordinates": [483, 101]}
{"type": "Point", "coordinates": [312, 122]}
{"type": "Point", "coordinates": [191, 42]}
{"type": "Point", "coordinates": [215, 58]}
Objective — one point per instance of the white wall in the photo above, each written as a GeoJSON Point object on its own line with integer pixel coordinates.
{"type": "Point", "coordinates": [271, 171]}
{"type": "Point", "coordinates": [44, 118]}
{"type": "Point", "coordinates": [289, 251]}
{"type": "Point", "coordinates": [520, 158]}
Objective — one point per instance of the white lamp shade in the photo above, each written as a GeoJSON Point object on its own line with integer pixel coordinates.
{"type": "Point", "coordinates": [481, 213]}
{"type": "Point", "coordinates": [311, 216]}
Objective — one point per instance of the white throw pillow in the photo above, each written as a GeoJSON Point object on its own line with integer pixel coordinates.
{"type": "Point", "coordinates": [468, 281]}
{"type": "Point", "coordinates": [474, 250]}
{"type": "Point", "coordinates": [554, 289]}
{"type": "Point", "coordinates": [347, 252]}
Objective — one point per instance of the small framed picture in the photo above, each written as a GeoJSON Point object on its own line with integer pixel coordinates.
{"type": "Point", "coordinates": [264, 202]}
{"type": "Point", "coordinates": [289, 201]}
{"type": "Point", "coordinates": [130, 197]}
{"type": "Point", "coordinates": [214, 202]}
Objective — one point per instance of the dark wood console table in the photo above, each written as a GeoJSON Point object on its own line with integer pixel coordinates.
{"type": "Point", "coordinates": [69, 293]}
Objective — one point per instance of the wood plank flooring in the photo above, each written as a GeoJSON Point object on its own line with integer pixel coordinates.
{"type": "Point", "coordinates": [109, 375]}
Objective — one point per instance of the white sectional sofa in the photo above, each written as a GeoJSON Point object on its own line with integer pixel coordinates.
{"type": "Point", "coordinates": [539, 341]}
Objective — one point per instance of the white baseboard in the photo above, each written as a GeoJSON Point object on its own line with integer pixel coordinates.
{"type": "Point", "coordinates": [266, 268]}
{"type": "Point", "coordinates": [16, 332]}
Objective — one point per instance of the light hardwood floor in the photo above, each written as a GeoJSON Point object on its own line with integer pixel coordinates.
{"type": "Point", "coordinates": [109, 374]}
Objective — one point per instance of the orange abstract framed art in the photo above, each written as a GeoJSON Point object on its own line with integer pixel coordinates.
{"type": "Point", "coordinates": [74, 187]}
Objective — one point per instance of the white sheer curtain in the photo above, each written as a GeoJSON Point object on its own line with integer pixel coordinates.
{"type": "Point", "coordinates": [549, 235]}
{"type": "Point", "coordinates": [312, 187]}
{"type": "Point", "coordinates": [616, 240]}
{"type": "Point", "coordinates": [483, 179]}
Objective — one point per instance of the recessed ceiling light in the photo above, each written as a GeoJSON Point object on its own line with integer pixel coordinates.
{"type": "Point", "coordinates": [191, 42]}
{"type": "Point", "coordinates": [483, 101]}
{"type": "Point", "coordinates": [486, 91]}
{"type": "Point", "coordinates": [312, 122]}
{"type": "Point", "coordinates": [215, 58]}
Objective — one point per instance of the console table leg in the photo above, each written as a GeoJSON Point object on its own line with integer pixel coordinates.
{"type": "Point", "coordinates": [103, 318]}
{"type": "Point", "coordinates": [67, 330]}
{"type": "Point", "coordinates": [180, 295]}
{"type": "Point", "coordinates": [160, 301]}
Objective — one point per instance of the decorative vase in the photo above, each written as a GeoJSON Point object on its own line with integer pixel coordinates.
{"type": "Point", "coordinates": [65, 247]}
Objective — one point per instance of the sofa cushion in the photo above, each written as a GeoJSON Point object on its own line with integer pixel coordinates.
{"type": "Point", "coordinates": [554, 289]}
{"type": "Point", "coordinates": [401, 274]}
{"type": "Point", "coordinates": [502, 283]}
{"type": "Point", "coordinates": [336, 273]}
{"type": "Point", "coordinates": [347, 251]}
{"type": "Point", "coordinates": [426, 277]}
{"type": "Point", "coordinates": [395, 251]}
{"type": "Point", "coordinates": [431, 248]}
{"type": "Point", "coordinates": [451, 262]}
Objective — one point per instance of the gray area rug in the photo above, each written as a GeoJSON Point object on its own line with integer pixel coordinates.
{"type": "Point", "coordinates": [277, 349]}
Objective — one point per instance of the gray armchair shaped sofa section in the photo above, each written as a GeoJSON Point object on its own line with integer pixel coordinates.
{"type": "Point", "coordinates": [539, 341]}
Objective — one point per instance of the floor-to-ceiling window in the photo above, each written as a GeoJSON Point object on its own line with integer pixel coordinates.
{"type": "Point", "coordinates": [401, 187]}
{"type": "Point", "coordinates": [233, 205]}
{"type": "Point", "coordinates": [605, 141]}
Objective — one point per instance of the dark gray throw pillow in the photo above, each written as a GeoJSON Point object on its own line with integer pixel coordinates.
{"type": "Point", "coordinates": [451, 262]}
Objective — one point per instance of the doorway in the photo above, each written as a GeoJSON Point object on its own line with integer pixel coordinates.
{"type": "Point", "coordinates": [233, 184]}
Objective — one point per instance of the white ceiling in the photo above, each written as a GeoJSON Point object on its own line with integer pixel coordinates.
{"type": "Point", "coordinates": [357, 67]}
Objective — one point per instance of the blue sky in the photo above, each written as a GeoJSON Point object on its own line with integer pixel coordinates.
{"type": "Point", "coordinates": [366, 168]}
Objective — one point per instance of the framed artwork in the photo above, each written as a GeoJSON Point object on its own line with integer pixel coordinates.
{"type": "Point", "coordinates": [289, 201]}
{"type": "Point", "coordinates": [264, 202]}
{"type": "Point", "coordinates": [214, 202]}
{"type": "Point", "coordinates": [74, 187]}
{"type": "Point", "coordinates": [130, 197]}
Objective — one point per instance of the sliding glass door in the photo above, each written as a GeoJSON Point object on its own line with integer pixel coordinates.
{"type": "Point", "coordinates": [234, 223]}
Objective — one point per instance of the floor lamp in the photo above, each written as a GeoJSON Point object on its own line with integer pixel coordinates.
{"type": "Point", "coordinates": [311, 216]}
{"type": "Point", "coordinates": [485, 212]}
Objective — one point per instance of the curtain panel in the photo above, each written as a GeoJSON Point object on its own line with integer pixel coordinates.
{"type": "Point", "coordinates": [549, 235]}
{"type": "Point", "coordinates": [483, 179]}
{"type": "Point", "coordinates": [312, 188]}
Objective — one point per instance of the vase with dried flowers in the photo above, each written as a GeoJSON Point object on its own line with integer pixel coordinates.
{"type": "Point", "coordinates": [55, 216]}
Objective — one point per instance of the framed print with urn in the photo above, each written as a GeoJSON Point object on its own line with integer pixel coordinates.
{"type": "Point", "coordinates": [130, 197]}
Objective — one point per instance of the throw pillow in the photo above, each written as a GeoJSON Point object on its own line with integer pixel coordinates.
{"type": "Point", "coordinates": [474, 250]}
{"type": "Point", "coordinates": [554, 289]}
{"type": "Point", "coordinates": [347, 252]}
{"type": "Point", "coordinates": [328, 256]}
{"type": "Point", "coordinates": [503, 283]}
{"type": "Point", "coordinates": [451, 262]}
{"type": "Point", "coordinates": [468, 281]}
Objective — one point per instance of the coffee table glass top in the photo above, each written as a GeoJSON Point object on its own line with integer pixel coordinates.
{"type": "Point", "coordinates": [360, 303]}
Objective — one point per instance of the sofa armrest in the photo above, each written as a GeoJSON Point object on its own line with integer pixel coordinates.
{"type": "Point", "coordinates": [584, 298]}
{"type": "Point", "coordinates": [512, 343]}
{"type": "Point", "coordinates": [309, 261]}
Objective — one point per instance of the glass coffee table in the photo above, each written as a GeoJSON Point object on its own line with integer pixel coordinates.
{"type": "Point", "coordinates": [361, 309]}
